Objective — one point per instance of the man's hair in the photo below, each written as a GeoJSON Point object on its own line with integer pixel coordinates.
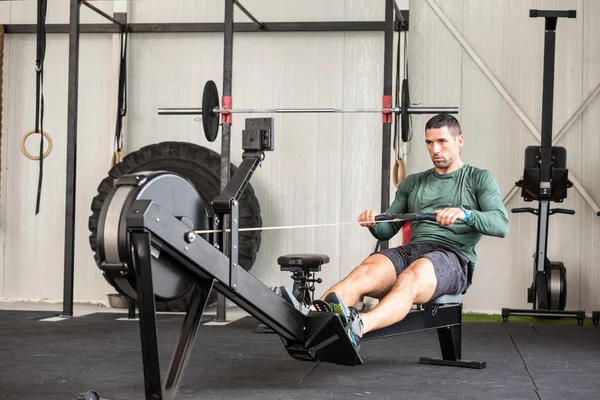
{"type": "Point", "coordinates": [444, 120]}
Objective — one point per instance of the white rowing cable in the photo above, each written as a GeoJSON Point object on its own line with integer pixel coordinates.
{"type": "Point", "coordinates": [267, 228]}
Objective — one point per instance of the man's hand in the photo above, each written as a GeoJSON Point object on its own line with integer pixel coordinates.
{"type": "Point", "coordinates": [367, 218]}
{"type": "Point", "coordinates": [447, 216]}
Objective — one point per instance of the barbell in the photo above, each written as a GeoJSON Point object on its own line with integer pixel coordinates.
{"type": "Point", "coordinates": [211, 110]}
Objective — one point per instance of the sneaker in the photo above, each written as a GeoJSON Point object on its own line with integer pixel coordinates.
{"type": "Point", "coordinates": [356, 324]}
{"type": "Point", "coordinates": [337, 306]}
{"type": "Point", "coordinates": [350, 317]}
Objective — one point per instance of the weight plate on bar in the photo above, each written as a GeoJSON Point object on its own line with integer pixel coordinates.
{"type": "Point", "coordinates": [210, 119]}
{"type": "Point", "coordinates": [404, 121]}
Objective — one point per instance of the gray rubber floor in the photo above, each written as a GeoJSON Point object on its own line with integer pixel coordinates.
{"type": "Point", "coordinates": [60, 360]}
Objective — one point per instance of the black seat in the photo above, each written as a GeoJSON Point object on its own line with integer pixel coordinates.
{"type": "Point", "coordinates": [302, 262]}
{"type": "Point", "coordinates": [530, 183]}
{"type": "Point", "coordinates": [447, 299]}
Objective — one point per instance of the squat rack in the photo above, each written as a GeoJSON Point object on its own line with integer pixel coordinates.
{"type": "Point", "coordinates": [396, 20]}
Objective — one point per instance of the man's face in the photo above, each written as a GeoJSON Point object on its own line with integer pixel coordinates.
{"type": "Point", "coordinates": [443, 148]}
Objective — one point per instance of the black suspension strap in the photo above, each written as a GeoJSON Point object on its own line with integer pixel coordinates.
{"type": "Point", "coordinates": [400, 85]}
{"type": "Point", "coordinates": [396, 141]}
{"type": "Point", "coordinates": [39, 90]}
{"type": "Point", "coordinates": [122, 98]}
{"type": "Point", "coordinates": [409, 122]}
{"type": "Point", "coordinates": [402, 125]}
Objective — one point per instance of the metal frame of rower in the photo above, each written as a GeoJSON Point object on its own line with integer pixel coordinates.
{"type": "Point", "coordinates": [317, 336]}
{"type": "Point", "coordinates": [545, 179]}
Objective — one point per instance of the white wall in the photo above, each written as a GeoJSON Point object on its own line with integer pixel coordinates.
{"type": "Point", "coordinates": [325, 168]}
{"type": "Point", "coordinates": [510, 45]}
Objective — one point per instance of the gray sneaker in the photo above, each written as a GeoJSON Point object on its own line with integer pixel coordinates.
{"type": "Point", "coordinates": [350, 317]}
{"type": "Point", "coordinates": [355, 323]}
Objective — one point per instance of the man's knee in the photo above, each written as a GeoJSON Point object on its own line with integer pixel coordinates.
{"type": "Point", "coordinates": [374, 274]}
{"type": "Point", "coordinates": [358, 274]}
{"type": "Point", "coordinates": [419, 279]}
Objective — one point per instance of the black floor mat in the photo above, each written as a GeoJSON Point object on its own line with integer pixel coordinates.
{"type": "Point", "coordinates": [59, 360]}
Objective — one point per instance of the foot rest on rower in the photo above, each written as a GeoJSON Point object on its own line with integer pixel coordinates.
{"type": "Point", "coordinates": [326, 340]}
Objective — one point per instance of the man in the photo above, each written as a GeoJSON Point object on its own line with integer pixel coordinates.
{"type": "Point", "coordinates": [440, 257]}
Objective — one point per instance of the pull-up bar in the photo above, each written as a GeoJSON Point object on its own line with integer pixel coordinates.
{"type": "Point", "coordinates": [400, 24]}
{"type": "Point", "coordinates": [218, 27]}
{"type": "Point", "coordinates": [105, 15]}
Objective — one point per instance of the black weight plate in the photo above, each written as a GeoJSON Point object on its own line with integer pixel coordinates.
{"type": "Point", "coordinates": [405, 103]}
{"type": "Point", "coordinates": [210, 118]}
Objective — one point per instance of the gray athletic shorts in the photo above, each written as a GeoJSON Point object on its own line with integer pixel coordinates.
{"type": "Point", "coordinates": [450, 266]}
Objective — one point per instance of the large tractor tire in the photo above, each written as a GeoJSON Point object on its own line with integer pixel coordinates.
{"type": "Point", "coordinates": [201, 166]}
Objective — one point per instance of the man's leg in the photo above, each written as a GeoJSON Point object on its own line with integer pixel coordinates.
{"type": "Point", "coordinates": [415, 285]}
{"type": "Point", "coordinates": [374, 277]}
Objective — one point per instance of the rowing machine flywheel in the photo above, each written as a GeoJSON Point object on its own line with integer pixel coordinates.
{"type": "Point", "coordinates": [178, 197]}
{"type": "Point", "coordinates": [556, 277]}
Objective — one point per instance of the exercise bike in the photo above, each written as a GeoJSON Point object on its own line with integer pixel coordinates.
{"type": "Point", "coordinates": [545, 179]}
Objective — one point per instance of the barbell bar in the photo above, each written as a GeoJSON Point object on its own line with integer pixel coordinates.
{"type": "Point", "coordinates": [395, 110]}
{"type": "Point", "coordinates": [211, 110]}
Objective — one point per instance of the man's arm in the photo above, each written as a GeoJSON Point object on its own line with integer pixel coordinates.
{"type": "Point", "coordinates": [492, 220]}
{"type": "Point", "coordinates": [386, 230]}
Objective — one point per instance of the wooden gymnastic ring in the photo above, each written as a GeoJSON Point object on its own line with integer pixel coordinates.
{"type": "Point", "coordinates": [117, 157]}
{"type": "Point", "coordinates": [398, 172]}
{"type": "Point", "coordinates": [27, 154]}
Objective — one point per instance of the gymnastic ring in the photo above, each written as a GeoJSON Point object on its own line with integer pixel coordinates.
{"type": "Point", "coordinates": [398, 172]}
{"type": "Point", "coordinates": [117, 157]}
{"type": "Point", "coordinates": [27, 154]}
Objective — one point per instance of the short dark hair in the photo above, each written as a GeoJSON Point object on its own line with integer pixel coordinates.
{"type": "Point", "coordinates": [444, 120]}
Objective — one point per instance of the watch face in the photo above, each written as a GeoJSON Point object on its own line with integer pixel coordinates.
{"type": "Point", "coordinates": [467, 208]}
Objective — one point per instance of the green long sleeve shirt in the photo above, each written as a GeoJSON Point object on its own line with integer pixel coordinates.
{"type": "Point", "coordinates": [429, 191]}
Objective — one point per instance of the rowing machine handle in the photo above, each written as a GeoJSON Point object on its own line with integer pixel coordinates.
{"type": "Point", "coordinates": [406, 217]}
